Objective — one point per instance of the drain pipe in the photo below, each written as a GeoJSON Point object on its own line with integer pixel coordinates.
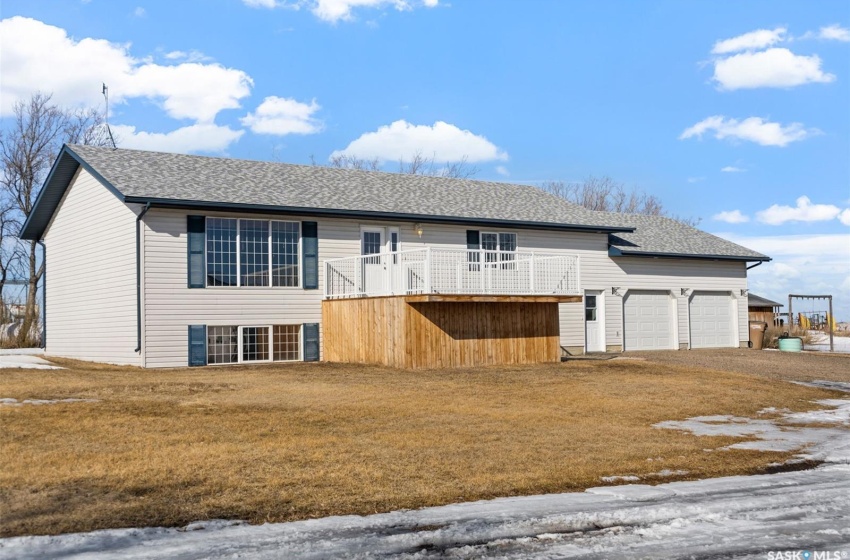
{"type": "Point", "coordinates": [43, 294]}
{"type": "Point", "coordinates": [755, 265]}
{"type": "Point", "coordinates": [139, 276]}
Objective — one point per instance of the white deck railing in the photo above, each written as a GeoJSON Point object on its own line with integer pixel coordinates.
{"type": "Point", "coordinates": [452, 271]}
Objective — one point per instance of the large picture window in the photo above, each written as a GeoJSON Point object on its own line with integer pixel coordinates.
{"type": "Point", "coordinates": [243, 252]}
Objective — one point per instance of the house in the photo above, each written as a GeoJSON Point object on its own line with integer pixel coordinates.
{"type": "Point", "coordinates": [764, 310]}
{"type": "Point", "coordinates": [167, 260]}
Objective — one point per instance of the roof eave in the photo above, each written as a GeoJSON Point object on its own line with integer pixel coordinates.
{"type": "Point", "coordinates": [617, 252]}
{"type": "Point", "coordinates": [332, 212]}
{"type": "Point", "coordinates": [36, 223]}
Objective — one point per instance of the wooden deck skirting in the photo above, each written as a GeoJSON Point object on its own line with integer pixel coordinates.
{"type": "Point", "coordinates": [437, 331]}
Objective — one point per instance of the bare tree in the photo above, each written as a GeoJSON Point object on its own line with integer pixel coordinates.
{"type": "Point", "coordinates": [607, 195]}
{"type": "Point", "coordinates": [28, 147]}
{"type": "Point", "coordinates": [416, 165]}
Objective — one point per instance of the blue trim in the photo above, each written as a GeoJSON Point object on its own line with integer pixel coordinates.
{"type": "Point", "coordinates": [196, 247]}
{"type": "Point", "coordinates": [311, 342]}
{"type": "Point", "coordinates": [197, 345]}
{"type": "Point", "coordinates": [310, 255]}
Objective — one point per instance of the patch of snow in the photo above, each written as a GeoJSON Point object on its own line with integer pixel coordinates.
{"type": "Point", "coordinates": [626, 478]}
{"type": "Point", "coordinates": [773, 437]}
{"type": "Point", "coordinates": [772, 410]}
{"type": "Point", "coordinates": [820, 342]}
{"type": "Point", "coordinates": [834, 385]}
{"type": "Point", "coordinates": [21, 351]}
{"type": "Point", "coordinates": [25, 361]}
{"type": "Point", "coordinates": [37, 402]}
{"type": "Point", "coordinates": [801, 510]}
{"type": "Point", "coordinates": [668, 472]}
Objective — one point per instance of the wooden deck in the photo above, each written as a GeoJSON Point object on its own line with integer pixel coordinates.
{"type": "Point", "coordinates": [439, 331]}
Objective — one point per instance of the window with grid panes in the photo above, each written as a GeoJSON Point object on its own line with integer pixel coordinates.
{"type": "Point", "coordinates": [222, 345]}
{"type": "Point", "coordinates": [285, 237]}
{"type": "Point", "coordinates": [287, 342]}
{"type": "Point", "coordinates": [221, 252]}
{"type": "Point", "coordinates": [255, 344]}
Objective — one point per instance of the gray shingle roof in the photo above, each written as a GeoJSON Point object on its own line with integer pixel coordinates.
{"type": "Point", "coordinates": [657, 235]}
{"type": "Point", "coordinates": [758, 301]}
{"type": "Point", "coordinates": [155, 175]}
{"type": "Point", "coordinates": [164, 178]}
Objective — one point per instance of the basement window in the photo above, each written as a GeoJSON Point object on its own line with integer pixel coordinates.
{"type": "Point", "coordinates": [246, 344]}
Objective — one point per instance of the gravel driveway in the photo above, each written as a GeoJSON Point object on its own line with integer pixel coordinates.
{"type": "Point", "coordinates": [803, 366]}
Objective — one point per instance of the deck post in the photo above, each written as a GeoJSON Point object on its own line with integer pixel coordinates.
{"type": "Point", "coordinates": [531, 274]}
{"type": "Point", "coordinates": [428, 270]}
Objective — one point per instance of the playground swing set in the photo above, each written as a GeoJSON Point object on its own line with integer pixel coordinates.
{"type": "Point", "coordinates": [813, 319]}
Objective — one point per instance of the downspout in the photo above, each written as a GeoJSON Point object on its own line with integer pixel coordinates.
{"type": "Point", "coordinates": [139, 276]}
{"type": "Point", "coordinates": [43, 295]}
{"type": "Point", "coordinates": [755, 265]}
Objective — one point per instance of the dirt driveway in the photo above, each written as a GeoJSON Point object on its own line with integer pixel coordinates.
{"type": "Point", "coordinates": [803, 366]}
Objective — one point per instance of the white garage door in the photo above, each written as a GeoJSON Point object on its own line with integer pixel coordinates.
{"type": "Point", "coordinates": [711, 320]}
{"type": "Point", "coordinates": [648, 321]}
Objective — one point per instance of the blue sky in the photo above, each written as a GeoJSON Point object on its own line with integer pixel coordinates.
{"type": "Point", "coordinates": [660, 95]}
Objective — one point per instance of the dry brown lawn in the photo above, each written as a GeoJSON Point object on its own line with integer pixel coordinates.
{"type": "Point", "coordinates": [285, 442]}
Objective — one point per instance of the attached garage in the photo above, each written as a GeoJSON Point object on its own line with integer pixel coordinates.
{"type": "Point", "coordinates": [648, 320]}
{"type": "Point", "coordinates": [712, 320]}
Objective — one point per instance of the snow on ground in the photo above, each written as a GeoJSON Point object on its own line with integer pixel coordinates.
{"type": "Point", "coordinates": [821, 342]}
{"type": "Point", "coordinates": [29, 358]}
{"type": "Point", "coordinates": [739, 516]}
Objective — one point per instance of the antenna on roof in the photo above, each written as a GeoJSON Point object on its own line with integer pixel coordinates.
{"type": "Point", "coordinates": [105, 93]}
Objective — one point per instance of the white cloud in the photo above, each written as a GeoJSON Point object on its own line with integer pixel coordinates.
{"type": "Point", "coordinates": [732, 169]}
{"type": "Point", "coordinates": [757, 39]}
{"type": "Point", "coordinates": [802, 264]}
{"type": "Point", "coordinates": [805, 211]}
{"type": "Point", "coordinates": [333, 11]}
{"type": "Point", "coordinates": [193, 138]}
{"type": "Point", "coordinates": [502, 170]}
{"type": "Point", "coordinates": [834, 32]}
{"type": "Point", "coordinates": [731, 217]}
{"type": "Point", "coordinates": [844, 217]}
{"type": "Point", "coordinates": [44, 57]}
{"type": "Point", "coordinates": [190, 56]}
{"type": "Point", "coordinates": [695, 179]}
{"type": "Point", "coordinates": [281, 116]}
{"type": "Point", "coordinates": [139, 12]}
{"type": "Point", "coordinates": [776, 67]}
{"type": "Point", "coordinates": [752, 129]}
{"type": "Point", "coordinates": [443, 141]}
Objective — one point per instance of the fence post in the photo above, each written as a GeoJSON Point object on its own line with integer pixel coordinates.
{"type": "Point", "coordinates": [428, 270]}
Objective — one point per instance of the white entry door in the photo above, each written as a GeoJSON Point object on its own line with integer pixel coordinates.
{"type": "Point", "coordinates": [594, 321]}
{"type": "Point", "coordinates": [712, 320]}
{"type": "Point", "coordinates": [648, 320]}
{"type": "Point", "coordinates": [373, 242]}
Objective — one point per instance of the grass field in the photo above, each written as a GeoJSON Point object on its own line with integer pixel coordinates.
{"type": "Point", "coordinates": [285, 442]}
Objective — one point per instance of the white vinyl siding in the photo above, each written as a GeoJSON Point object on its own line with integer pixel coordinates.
{"type": "Point", "coordinates": [170, 305]}
{"type": "Point", "coordinates": [91, 276]}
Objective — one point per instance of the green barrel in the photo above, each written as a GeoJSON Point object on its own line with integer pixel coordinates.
{"type": "Point", "coordinates": [791, 344]}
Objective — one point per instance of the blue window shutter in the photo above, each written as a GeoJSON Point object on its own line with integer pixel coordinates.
{"type": "Point", "coordinates": [473, 239]}
{"type": "Point", "coordinates": [311, 342]}
{"type": "Point", "coordinates": [310, 254]}
{"type": "Point", "coordinates": [197, 345]}
{"type": "Point", "coordinates": [195, 228]}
